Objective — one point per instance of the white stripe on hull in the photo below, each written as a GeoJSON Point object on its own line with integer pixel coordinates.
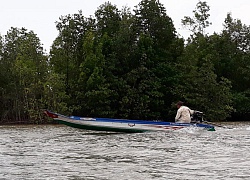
{"type": "Point", "coordinates": [122, 125]}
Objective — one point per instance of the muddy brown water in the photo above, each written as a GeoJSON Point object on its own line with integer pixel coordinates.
{"type": "Point", "coordinates": [61, 152]}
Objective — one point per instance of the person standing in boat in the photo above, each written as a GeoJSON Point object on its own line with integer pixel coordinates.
{"type": "Point", "coordinates": [183, 114]}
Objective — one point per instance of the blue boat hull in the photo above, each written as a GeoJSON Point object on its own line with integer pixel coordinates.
{"type": "Point", "coordinates": [122, 125]}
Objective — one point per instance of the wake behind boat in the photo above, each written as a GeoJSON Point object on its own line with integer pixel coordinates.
{"type": "Point", "coordinates": [121, 125]}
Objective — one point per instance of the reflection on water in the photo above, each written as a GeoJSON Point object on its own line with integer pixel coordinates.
{"type": "Point", "coordinates": [60, 152]}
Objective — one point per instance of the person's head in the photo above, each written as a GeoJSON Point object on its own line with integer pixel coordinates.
{"type": "Point", "coordinates": [179, 104]}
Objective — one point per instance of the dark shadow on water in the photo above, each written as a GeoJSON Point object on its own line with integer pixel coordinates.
{"type": "Point", "coordinates": [97, 133]}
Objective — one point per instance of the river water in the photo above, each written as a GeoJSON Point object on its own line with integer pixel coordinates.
{"type": "Point", "coordinates": [58, 152]}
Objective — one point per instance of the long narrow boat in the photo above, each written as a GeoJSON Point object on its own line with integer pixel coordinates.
{"type": "Point", "coordinates": [121, 125]}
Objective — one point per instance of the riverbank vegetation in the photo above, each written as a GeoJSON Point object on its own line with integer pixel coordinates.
{"type": "Point", "coordinates": [127, 64]}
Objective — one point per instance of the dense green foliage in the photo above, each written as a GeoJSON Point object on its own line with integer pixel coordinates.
{"type": "Point", "coordinates": [127, 64]}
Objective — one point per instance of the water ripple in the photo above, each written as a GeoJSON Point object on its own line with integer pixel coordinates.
{"type": "Point", "coordinates": [60, 152]}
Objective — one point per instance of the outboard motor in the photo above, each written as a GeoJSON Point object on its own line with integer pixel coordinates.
{"type": "Point", "coordinates": [197, 117]}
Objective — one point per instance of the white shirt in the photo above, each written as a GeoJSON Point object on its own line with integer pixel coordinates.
{"type": "Point", "coordinates": [183, 115]}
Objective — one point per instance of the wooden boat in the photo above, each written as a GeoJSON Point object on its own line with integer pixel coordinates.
{"type": "Point", "coordinates": [121, 125]}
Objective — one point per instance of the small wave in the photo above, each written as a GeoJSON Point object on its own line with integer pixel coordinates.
{"type": "Point", "coordinates": [191, 130]}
